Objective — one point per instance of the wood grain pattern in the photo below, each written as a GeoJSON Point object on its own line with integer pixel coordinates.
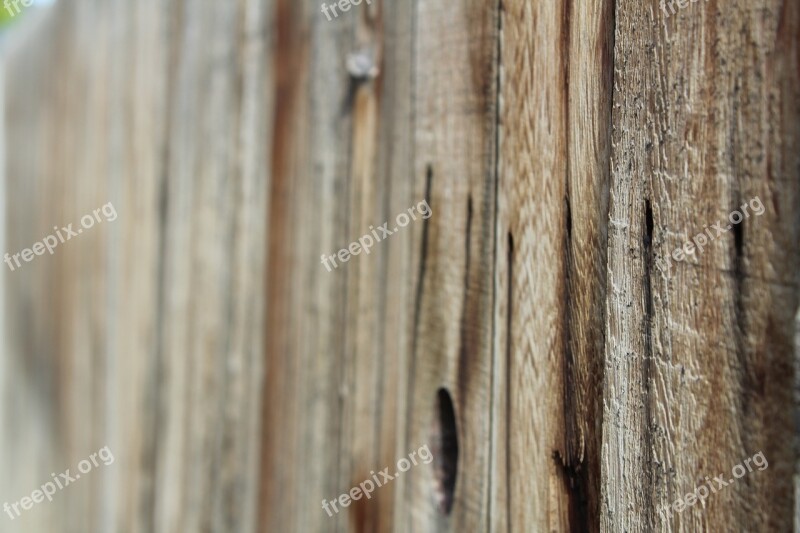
{"type": "Point", "coordinates": [565, 148]}
{"type": "Point", "coordinates": [698, 362]}
{"type": "Point", "coordinates": [455, 140]}
{"type": "Point", "coordinates": [337, 395]}
{"type": "Point", "coordinates": [551, 259]}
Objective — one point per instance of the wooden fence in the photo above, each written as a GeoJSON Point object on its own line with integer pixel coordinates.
{"type": "Point", "coordinates": [547, 333]}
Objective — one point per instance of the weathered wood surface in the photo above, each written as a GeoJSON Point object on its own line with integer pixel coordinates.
{"type": "Point", "coordinates": [699, 352]}
{"type": "Point", "coordinates": [565, 150]}
{"type": "Point", "coordinates": [551, 237]}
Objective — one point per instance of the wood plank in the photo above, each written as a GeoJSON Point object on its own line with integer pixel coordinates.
{"type": "Point", "coordinates": [551, 242]}
{"type": "Point", "coordinates": [698, 368]}
{"type": "Point", "coordinates": [455, 149]}
{"type": "Point", "coordinates": [533, 332]}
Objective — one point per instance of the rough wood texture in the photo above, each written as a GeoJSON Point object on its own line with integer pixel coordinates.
{"type": "Point", "coordinates": [533, 332]}
{"type": "Point", "coordinates": [699, 352]}
{"type": "Point", "coordinates": [551, 259]}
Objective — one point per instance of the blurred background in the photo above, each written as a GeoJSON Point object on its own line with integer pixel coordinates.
{"type": "Point", "coordinates": [175, 175]}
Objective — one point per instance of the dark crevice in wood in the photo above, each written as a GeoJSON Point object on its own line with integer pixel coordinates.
{"type": "Point", "coordinates": [467, 341]}
{"type": "Point", "coordinates": [423, 266]}
{"type": "Point", "coordinates": [575, 478]}
{"type": "Point", "coordinates": [423, 262]}
{"type": "Point", "coordinates": [509, 368]}
{"type": "Point", "coordinates": [740, 315]}
{"type": "Point", "coordinates": [574, 473]}
{"type": "Point", "coordinates": [648, 262]}
{"type": "Point", "coordinates": [445, 452]}
{"type": "Point", "coordinates": [568, 221]}
{"type": "Point", "coordinates": [467, 240]}
{"type": "Point", "coordinates": [566, 29]}
{"type": "Point", "coordinates": [648, 226]}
